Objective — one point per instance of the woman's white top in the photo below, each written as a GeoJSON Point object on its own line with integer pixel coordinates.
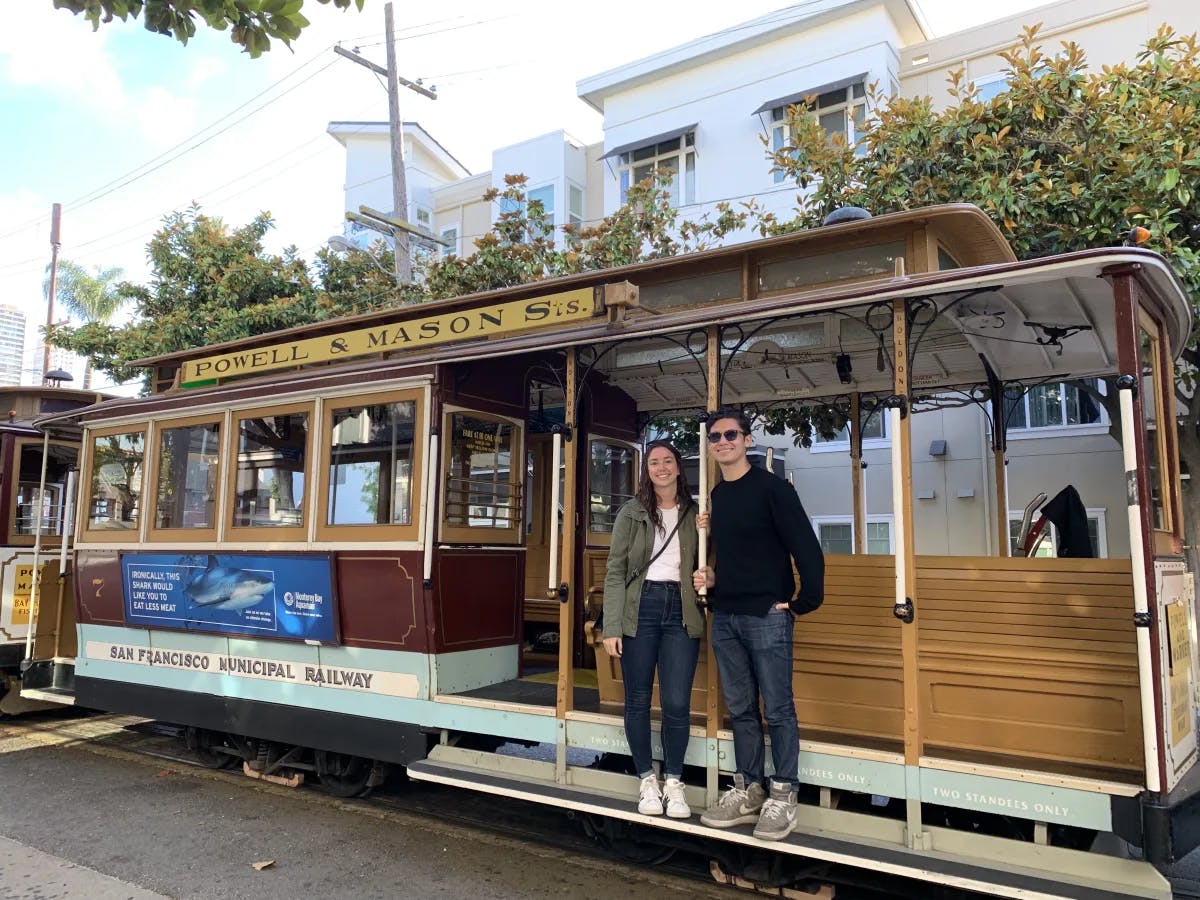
{"type": "Point", "coordinates": [666, 567]}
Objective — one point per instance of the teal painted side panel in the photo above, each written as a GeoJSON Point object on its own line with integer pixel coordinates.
{"type": "Point", "coordinates": [328, 678]}
{"type": "Point", "coordinates": [1038, 802]}
{"type": "Point", "coordinates": [466, 670]}
{"type": "Point", "coordinates": [611, 739]}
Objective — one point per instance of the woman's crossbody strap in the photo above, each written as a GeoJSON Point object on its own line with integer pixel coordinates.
{"type": "Point", "coordinates": [638, 572]}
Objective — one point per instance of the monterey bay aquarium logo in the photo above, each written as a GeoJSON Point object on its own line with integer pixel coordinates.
{"type": "Point", "coordinates": [284, 596]}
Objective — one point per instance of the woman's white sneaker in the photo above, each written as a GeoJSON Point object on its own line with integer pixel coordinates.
{"type": "Point", "coordinates": [677, 805]}
{"type": "Point", "coordinates": [650, 798]}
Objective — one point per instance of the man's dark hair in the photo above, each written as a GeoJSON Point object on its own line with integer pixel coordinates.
{"type": "Point", "coordinates": [728, 412]}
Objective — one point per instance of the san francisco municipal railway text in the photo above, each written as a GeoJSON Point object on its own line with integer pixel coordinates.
{"type": "Point", "coordinates": [240, 665]}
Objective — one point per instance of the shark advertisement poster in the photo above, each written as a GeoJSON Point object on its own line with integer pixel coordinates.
{"type": "Point", "coordinates": [279, 596]}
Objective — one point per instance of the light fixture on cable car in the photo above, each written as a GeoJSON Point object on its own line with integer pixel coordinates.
{"type": "Point", "coordinates": [844, 369]}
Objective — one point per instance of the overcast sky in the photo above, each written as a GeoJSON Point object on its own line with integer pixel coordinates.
{"type": "Point", "coordinates": [123, 126]}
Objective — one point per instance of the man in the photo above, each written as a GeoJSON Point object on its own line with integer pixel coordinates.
{"type": "Point", "coordinates": [758, 529]}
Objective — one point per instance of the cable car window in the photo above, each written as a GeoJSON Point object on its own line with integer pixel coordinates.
{"type": "Point", "coordinates": [481, 488]}
{"type": "Point", "coordinates": [272, 452]}
{"type": "Point", "coordinates": [115, 481]}
{"type": "Point", "coordinates": [188, 476]}
{"type": "Point", "coordinates": [371, 464]}
{"type": "Point", "coordinates": [611, 482]}
{"type": "Point", "coordinates": [60, 460]}
{"type": "Point", "coordinates": [876, 261]}
{"type": "Point", "coordinates": [1155, 443]}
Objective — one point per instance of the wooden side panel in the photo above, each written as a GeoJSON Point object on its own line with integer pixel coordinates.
{"type": "Point", "coordinates": [56, 635]}
{"type": "Point", "coordinates": [379, 601]}
{"type": "Point", "coordinates": [848, 679]}
{"type": "Point", "coordinates": [1030, 658]}
{"type": "Point", "coordinates": [478, 599]}
{"type": "Point", "coordinates": [98, 591]}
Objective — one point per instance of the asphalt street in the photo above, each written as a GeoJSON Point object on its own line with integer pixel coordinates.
{"type": "Point", "coordinates": [99, 823]}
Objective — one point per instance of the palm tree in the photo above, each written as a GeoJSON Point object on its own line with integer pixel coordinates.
{"type": "Point", "coordinates": [92, 297]}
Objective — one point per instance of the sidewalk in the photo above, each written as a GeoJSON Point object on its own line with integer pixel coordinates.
{"type": "Point", "coordinates": [29, 874]}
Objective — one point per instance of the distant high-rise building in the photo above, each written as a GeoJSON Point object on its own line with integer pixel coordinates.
{"type": "Point", "coordinates": [12, 344]}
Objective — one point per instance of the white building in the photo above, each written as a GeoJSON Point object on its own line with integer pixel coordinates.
{"type": "Point", "coordinates": [12, 344]}
{"type": "Point", "coordinates": [711, 108]}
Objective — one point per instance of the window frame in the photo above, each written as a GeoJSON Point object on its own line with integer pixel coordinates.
{"type": "Point", "coordinates": [1099, 513]}
{"type": "Point", "coordinates": [481, 534]}
{"type": "Point", "coordinates": [683, 154]}
{"type": "Point", "coordinates": [261, 533]}
{"type": "Point", "coordinates": [837, 445]}
{"type": "Point", "coordinates": [450, 251]}
{"type": "Point", "coordinates": [153, 532]}
{"type": "Point", "coordinates": [882, 519]}
{"type": "Point", "coordinates": [84, 529]}
{"type": "Point", "coordinates": [1083, 429]}
{"type": "Point", "coordinates": [779, 133]}
{"type": "Point", "coordinates": [373, 532]}
{"type": "Point", "coordinates": [28, 540]}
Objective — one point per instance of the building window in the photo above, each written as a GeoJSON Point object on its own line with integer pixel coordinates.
{"type": "Point", "coordinates": [450, 237]}
{"type": "Point", "coordinates": [424, 218]}
{"type": "Point", "coordinates": [842, 111]}
{"type": "Point", "coordinates": [875, 435]}
{"type": "Point", "coordinates": [1048, 547]}
{"type": "Point", "coordinates": [836, 534]}
{"type": "Point", "coordinates": [574, 205]}
{"type": "Point", "coordinates": [545, 196]}
{"type": "Point", "coordinates": [676, 156]}
{"type": "Point", "coordinates": [991, 86]}
{"type": "Point", "coordinates": [1054, 406]}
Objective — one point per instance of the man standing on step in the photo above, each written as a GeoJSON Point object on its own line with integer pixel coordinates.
{"type": "Point", "coordinates": [758, 528]}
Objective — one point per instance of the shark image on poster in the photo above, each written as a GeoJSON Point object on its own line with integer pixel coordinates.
{"type": "Point", "coordinates": [227, 588]}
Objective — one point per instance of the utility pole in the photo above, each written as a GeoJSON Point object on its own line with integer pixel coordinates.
{"type": "Point", "coordinates": [396, 131]}
{"type": "Point", "coordinates": [55, 222]}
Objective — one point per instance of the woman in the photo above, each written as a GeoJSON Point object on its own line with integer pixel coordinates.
{"type": "Point", "coordinates": [651, 620]}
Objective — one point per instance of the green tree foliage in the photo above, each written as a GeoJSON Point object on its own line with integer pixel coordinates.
{"type": "Point", "coordinates": [91, 296]}
{"type": "Point", "coordinates": [211, 283]}
{"type": "Point", "coordinates": [253, 24]}
{"type": "Point", "coordinates": [1065, 159]}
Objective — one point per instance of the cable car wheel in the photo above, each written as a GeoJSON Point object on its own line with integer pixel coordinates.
{"type": "Point", "coordinates": [342, 775]}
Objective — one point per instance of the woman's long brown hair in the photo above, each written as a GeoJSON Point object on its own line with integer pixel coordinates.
{"type": "Point", "coordinates": [645, 491]}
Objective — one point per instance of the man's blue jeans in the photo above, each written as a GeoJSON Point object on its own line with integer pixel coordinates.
{"type": "Point", "coordinates": [661, 642]}
{"type": "Point", "coordinates": [754, 654]}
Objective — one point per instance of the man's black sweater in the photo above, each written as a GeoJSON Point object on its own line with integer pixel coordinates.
{"type": "Point", "coordinates": [758, 527]}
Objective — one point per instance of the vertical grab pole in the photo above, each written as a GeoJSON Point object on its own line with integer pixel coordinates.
{"type": "Point", "coordinates": [702, 535]}
{"type": "Point", "coordinates": [555, 500]}
{"type": "Point", "coordinates": [712, 686]}
{"type": "Point", "coordinates": [69, 501]}
{"type": "Point", "coordinates": [431, 467]}
{"type": "Point", "coordinates": [37, 548]}
{"type": "Point", "coordinates": [1126, 385]}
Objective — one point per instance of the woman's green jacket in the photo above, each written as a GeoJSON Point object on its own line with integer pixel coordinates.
{"type": "Point", "coordinates": [632, 547]}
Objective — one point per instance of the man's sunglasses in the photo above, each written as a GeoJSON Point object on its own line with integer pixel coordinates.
{"type": "Point", "coordinates": [731, 435]}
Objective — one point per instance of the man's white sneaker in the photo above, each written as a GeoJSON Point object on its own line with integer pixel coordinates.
{"type": "Point", "coordinates": [677, 805]}
{"type": "Point", "coordinates": [650, 798]}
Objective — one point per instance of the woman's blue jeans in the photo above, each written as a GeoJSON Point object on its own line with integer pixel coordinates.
{"type": "Point", "coordinates": [661, 642]}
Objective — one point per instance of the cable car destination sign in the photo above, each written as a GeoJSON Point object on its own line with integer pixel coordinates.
{"type": "Point", "coordinates": [460, 325]}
